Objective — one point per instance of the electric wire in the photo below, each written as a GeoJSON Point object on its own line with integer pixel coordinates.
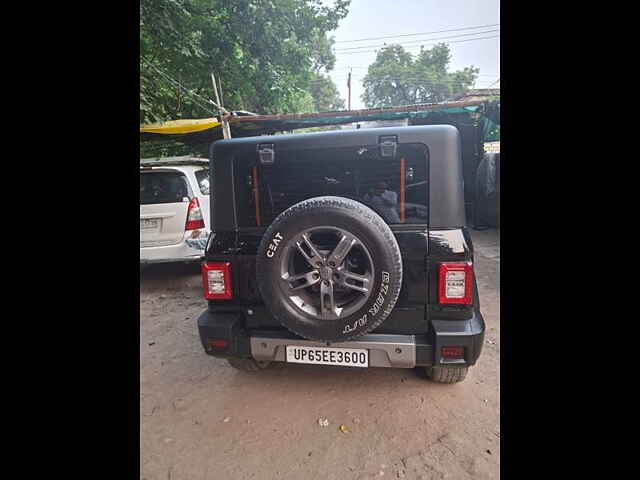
{"type": "Point", "coordinates": [417, 41]}
{"type": "Point", "coordinates": [420, 33]}
{"type": "Point", "coordinates": [417, 46]}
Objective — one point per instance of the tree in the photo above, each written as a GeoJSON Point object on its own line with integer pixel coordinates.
{"type": "Point", "coordinates": [266, 52]}
{"type": "Point", "coordinates": [323, 90]}
{"type": "Point", "coordinates": [326, 97]}
{"type": "Point", "coordinates": [396, 78]}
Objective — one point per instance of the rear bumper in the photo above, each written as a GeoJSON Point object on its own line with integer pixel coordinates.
{"type": "Point", "coordinates": [397, 351]}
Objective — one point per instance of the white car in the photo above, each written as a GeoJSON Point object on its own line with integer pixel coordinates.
{"type": "Point", "coordinates": [174, 209]}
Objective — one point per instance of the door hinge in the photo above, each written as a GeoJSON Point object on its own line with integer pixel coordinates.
{"type": "Point", "coordinates": [388, 145]}
{"type": "Point", "coordinates": [267, 153]}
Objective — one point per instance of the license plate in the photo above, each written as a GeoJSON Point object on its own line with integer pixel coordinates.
{"type": "Point", "coordinates": [349, 357]}
{"type": "Point", "coordinates": [149, 223]}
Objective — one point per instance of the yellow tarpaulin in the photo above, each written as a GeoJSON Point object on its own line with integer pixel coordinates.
{"type": "Point", "coordinates": [181, 126]}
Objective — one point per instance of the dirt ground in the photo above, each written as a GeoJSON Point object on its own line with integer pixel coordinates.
{"type": "Point", "coordinates": [201, 419]}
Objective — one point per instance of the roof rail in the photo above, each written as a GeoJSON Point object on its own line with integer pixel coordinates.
{"type": "Point", "coordinates": [173, 161]}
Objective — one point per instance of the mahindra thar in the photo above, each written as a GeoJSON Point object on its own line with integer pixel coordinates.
{"type": "Point", "coordinates": [345, 248]}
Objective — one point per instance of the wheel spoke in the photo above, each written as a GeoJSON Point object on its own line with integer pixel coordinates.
{"type": "Point", "coordinates": [327, 303]}
{"type": "Point", "coordinates": [356, 276]}
{"type": "Point", "coordinates": [342, 249]}
{"type": "Point", "coordinates": [315, 257]}
{"type": "Point", "coordinates": [355, 287]}
{"type": "Point", "coordinates": [310, 278]}
{"type": "Point", "coordinates": [364, 279]}
{"type": "Point", "coordinates": [325, 249]}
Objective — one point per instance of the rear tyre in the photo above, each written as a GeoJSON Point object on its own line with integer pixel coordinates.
{"type": "Point", "coordinates": [247, 364]}
{"type": "Point", "coordinates": [447, 374]}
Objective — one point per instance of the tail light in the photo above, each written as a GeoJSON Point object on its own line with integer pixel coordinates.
{"type": "Point", "coordinates": [194, 215]}
{"type": "Point", "coordinates": [452, 352]}
{"type": "Point", "coordinates": [216, 278]}
{"type": "Point", "coordinates": [456, 283]}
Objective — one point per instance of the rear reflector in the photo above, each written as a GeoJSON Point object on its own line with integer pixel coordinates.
{"type": "Point", "coordinates": [194, 215]}
{"type": "Point", "coordinates": [217, 342]}
{"type": "Point", "coordinates": [452, 352]}
{"type": "Point", "coordinates": [216, 278]}
{"type": "Point", "coordinates": [456, 283]}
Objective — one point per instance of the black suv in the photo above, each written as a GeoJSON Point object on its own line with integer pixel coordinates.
{"type": "Point", "coordinates": [342, 248]}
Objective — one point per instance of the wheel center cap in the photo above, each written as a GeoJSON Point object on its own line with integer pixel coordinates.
{"type": "Point", "coordinates": [325, 273]}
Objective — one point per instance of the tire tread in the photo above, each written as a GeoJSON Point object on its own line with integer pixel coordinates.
{"type": "Point", "coordinates": [447, 374]}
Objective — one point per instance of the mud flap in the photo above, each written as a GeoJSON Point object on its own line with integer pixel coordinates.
{"type": "Point", "coordinates": [222, 335]}
{"type": "Point", "coordinates": [466, 333]}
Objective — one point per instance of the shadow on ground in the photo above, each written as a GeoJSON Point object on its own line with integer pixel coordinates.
{"type": "Point", "coordinates": [170, 276]}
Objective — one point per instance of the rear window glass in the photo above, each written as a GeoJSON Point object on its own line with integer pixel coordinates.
{"type": "Point", "coordinates": [202, 176]}
{"type": "Point", "coordinates": [162, 187]}
{"type": "Point", "coordinates": [396, 188]}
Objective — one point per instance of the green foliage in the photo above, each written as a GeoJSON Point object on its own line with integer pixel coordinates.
{"type": "Point", "coordinates": [266, 53]}
{"type": "Point", "coordinates": [396, 78]}
{"type": "Point", "coordinates": [326, 97]}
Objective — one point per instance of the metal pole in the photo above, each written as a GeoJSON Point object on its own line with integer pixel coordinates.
{"type": "Point", "coordinates": [226, 131]}
{"type": "Point", "coordinates": [221, 96]}
{"type": "Point", "coordinates": [349, 85]}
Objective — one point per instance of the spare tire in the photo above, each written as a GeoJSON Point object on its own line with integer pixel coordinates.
{"type": "Point", "coordinates": [329, 269]}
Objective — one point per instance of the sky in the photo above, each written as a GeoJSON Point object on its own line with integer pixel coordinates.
{"type": "Point", "coordinates": [378, 18]}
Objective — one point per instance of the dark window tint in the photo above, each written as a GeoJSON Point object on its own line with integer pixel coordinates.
{"type": "Point", "coordinates": [396, 188]}
{"type": "Point", "coordinates": [203, 181]}
{"type": "Point", "coordinates": [162, 187]}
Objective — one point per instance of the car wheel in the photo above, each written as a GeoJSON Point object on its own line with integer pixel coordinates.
{"type": "Point", "coordinates": [447, 374]}
{"type": "Point", "coordinates": [329, 269]}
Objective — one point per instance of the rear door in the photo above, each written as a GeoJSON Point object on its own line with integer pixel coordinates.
{"type": "Point", "coordinates": [164, 201]}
